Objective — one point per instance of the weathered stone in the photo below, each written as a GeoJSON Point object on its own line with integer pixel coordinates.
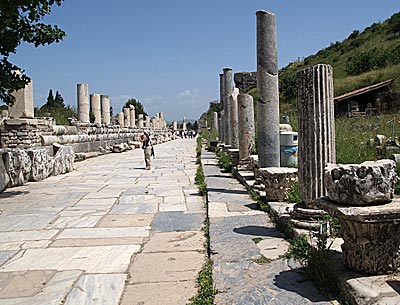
{"type": "Point", "coordinates": [228, 89]}
{"type": "Point", "coordinates": [18, 166]}
{"type": "Point", "coordinates": [245, 80]}
{"type": "Point", "coordinates": [4, 178]}
{"type": "Point", "coordinates": [95, 107]}
{"type": "Point", "coordinates": [42, 164]}
{"type": "Point", "coordinates": [267, 84]}
{"type": "Point", "coordinates": [132, 115]}
{"type": "Point", "coordinates": [83, 103]}
{"type": "Point", "coordinates": [127, 117]}
{"type": "Point", "coordinates": [246, 125]}
{"type": "Point", "coordinates": [63, 159]}
{"type": "Point", "coordinates": [371, 182]}
{"type": "Point", "coordinates": [316, 141]}
{"type": "Point", "coordinates": [105, 109]}
{"type": "Point", "coordinates": [23, 106]}
{"type": "Point", "coordinates": [121, 120]}
{"type": "Point", "coordinates": [234, 124]}
{"type": "Point", "coordinates": [278, 181]}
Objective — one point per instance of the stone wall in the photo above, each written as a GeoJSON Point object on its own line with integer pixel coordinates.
{"type": "Point", "coordinates": [34, 149]}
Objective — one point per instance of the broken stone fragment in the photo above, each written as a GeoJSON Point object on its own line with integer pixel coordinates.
{"type": "Point", "coordinates": [371, 182]}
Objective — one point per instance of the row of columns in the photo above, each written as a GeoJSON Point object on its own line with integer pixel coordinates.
{"type": "Point", "coordinates": [100, 107]}
{"type": "Point", "coordinates": [316, 131]}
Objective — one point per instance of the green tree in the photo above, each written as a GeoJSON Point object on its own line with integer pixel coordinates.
{"type": "Point", "coordinates": [20, 22]}
{"type": "Point", "coordinates": [54, 102]}
{"type": "Point", "coordinates": [139, 109]}
{"type": "Point", "coordinates": [195, 125]}
{"type": "Point", "coordinates": [50, 99]}
{"type": "Point", "coordinates": [59, 101]}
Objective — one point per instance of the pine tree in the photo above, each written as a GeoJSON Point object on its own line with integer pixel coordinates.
{"type": "Point", "coordinates": [50, 99]}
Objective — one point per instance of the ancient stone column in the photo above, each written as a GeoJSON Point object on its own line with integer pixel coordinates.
{"type": "Point", "coordinates": [267, 84]}
{"type": "Point", "coordinates": [83, 103]}
{"type": "Point", "coordinates": [246, 124]}
{"type": "Point", "coordinates": [105, 109]}
{"type": "Point", "coordinates": [234, 125]}
{"type": "Point", "coordinates": [132, 115]}
{"type": "Point", "coordinates": [140, 121]}
{"type": "Point", "coordinates": [221, 100]}
{"type": "Point", "coordinates": [147, 120]}
{"type": "Point", "coordinates": [214, 125]}
{"type": "Point", "coordinates": [228, 89]}
{"type": "Point", "coordinates": [121, 120]}
{"type": "Point", "coordinates": [23, 105]}
{"type": "Point", "coordinates": [95, 107]}
{"type": "Point", "coordinates": [184, 123]}
{"type": "Point", "coordinates": [127, 117]}
{"type": "Point", "coordinates": [175, 125]}
{"type": "Point", "coordinates": [316, 126]}
{"type": "Point", "coordinates": [153, 122]}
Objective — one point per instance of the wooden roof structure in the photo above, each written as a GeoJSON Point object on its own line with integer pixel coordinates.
{"type": "Point", "coordinates": [364, 90]}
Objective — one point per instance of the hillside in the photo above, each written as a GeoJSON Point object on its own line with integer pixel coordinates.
{"type": "Point", "coordinates": [362, 59]}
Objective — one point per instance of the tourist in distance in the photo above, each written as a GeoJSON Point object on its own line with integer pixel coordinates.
{"type": "Point", "coordinates": [146, 145]}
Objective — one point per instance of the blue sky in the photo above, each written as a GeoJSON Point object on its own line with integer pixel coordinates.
{"type": "Point", "coordinates": [168, 53]}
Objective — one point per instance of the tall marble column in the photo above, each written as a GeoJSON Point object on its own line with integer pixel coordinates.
{"type": "Point", "coordinates": [175, 125]}
{"type": "Point", "coordinates": [316, 123]}
{"type": "Point", "coordinates": [95, 107]}
{"type": "Point", "coordinates": [267, 84]}
{"type": "Point", "coordinates": [246, 124]}
{"type": "Point", "coordinates": [140, 120]}
{"type": "Point", "coordinates": [234, 125]}
{"type": "Point", "coordinates": [184, 123]}
{"type": "Point", "coordinates": [105, 109]}
{"type": "Point", "coordinates": [127, 117]}
{"type": "Point", "coordinates": [132, 115]}
{"type": "Point", "coordinates": [121, 120]}
{"type": "Point", "coordinates": [83, 103]}
{"type": "Point", "coordinates": [147, 120]}
{"type": "Point", "coordinates": [23, 106]}
{"type": "Point", "coordinates": [228, 89]}
{"type": "Point", "coordinates": [214, 125]}
{"type": "Point", "coordinates": [221, 100]}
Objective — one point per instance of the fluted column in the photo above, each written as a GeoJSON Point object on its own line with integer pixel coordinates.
{"type": "Point", "coordinates": [246, 124]}
{"type": "Point", "coordinates": [83, 103]}
{"type": "Point", "coordinates": [315, 108]}
{"type": "Point", "coordinates": [132, 115]}
{"type": "Point", "coordinates": [267, 84]}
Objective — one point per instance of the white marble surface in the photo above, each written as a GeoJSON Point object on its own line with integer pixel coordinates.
{"type": "Point", "coordinates": [105, 232]}
{"type": "Point", "coordinates": [52, 294]}
{"type": "Point", "coordinates": [75, 222]}
{"type": "Point", "coordinates": [24, 223]}
{"type": "Point", "coordinates": [98, 259]}
{"type": "Point", "coordinates": [27, 235]}
{"type": "Point", "coordinates": [97, 289]}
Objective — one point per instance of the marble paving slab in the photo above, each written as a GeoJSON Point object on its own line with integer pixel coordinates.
{"type": "Point", "coordinates": [27, 235]}
{"type": "Point", "coordinates": [97, 289]}
{"type": "Point", "coordinates": [98, 259]}
{"type": "Point", "coordinates": [139, 208]}
{"type": "Point", "coordinates": [75, 222]}
{"type": "Point", "coordinates": [178, 221]}
{"type": "Point", "coordinates": [5, 256]}
{"type": "Point", "coordinates": [24, 223]}
{"type": "Point", "coordinates": [165, 267]}
{"type": "Point", "coordinates": [175, 241]}
{"type": "Point", "coordinates": [131, 220]}
{"type": "Point", "coordinates": [52, 294]}
{"type": "Point", "coordinates": [88, 242]}
{"type": "Point", "coordinates": [105, 232]}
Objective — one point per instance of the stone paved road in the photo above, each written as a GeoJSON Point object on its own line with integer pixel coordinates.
{"type": "Point", "coordinates": [107, 233]}
{"type": "Point", "coordinates": [246, 249]}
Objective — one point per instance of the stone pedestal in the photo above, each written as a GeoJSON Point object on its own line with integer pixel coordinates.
{"type": "Point", "coordinates": [267, 84]}
{"type": "Point", "coordinates": [246, 125]}
{"type": "Point", "coordinates": [316, 132]}
{"type": "Point", "coordinates": [105, 109]}
{"type": "Point", "coordinates": [83, 103]}
{"type": "Point", "coordinates": [95, 107]}
{"type": "Point", "coordinates": [23, 106]}
{"type": "Point", "coordinates": [371, 235]}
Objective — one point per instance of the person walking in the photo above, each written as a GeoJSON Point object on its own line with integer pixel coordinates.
{"type": "Point", "coordinates": [146, 145]}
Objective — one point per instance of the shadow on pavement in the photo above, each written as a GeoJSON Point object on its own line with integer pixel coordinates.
{"type": "Point", "coordinates": [258, 231]}
{"type": "Point", "coordinates": [293, 280]}
{"type": "Point", "coordinates": [11, 194]}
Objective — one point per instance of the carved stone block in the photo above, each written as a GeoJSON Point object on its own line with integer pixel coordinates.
{"type": "Point", "coordinates": [42, 164]}
{"type": "Point", "coordinates": [278, 181]}
{"type": "Point", "coordinates": [18, 166]}
{"type": "Point", "coordinates": [371, 182]}
{"type": "Point", "coordinates": [63, 160]}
